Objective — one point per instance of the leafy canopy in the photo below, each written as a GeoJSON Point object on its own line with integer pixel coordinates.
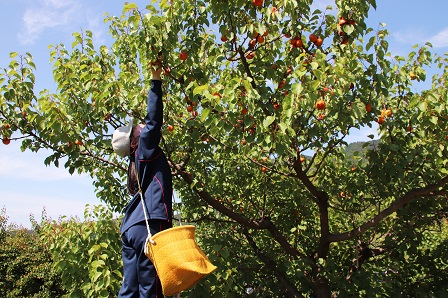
{"type": "Point", "coordinates": [259, 102]}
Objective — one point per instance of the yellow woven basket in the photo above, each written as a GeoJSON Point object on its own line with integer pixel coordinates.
{"type": "Point", "coordinates": [180, 263]}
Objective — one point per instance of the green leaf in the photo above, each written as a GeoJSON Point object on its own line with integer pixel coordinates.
{"type": "Point", "coordinates": [434, 120]}
{"type": "Point", "coordinates": [394, 147]}
{"type": "Point", "coordinates": [224, 253]}
{"type": "Point", "coordinates": [204, 114]}
{"type": "Point", "coordinates": [371, 42]}
{"type": "Point", "coordinates": [298, 88]}
{"type": "Point", "coordinates": [96, 276]}
{"type": "Point", "coordinates": [349, 29]}
{"type": "Point", "coordinates": [314, 84]}
{"type": "Point", "coordinates": [97, 263]}
{"type": "Point", "coordinates": [200, 89]}
{"type": "Point", "coordinates": [129, 6]}
{"type": "Point", "coordinates": [268, 121]}
{"type": "Point", "coordinates": [423, 106]}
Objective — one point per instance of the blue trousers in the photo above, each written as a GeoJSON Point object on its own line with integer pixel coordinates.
{"type": "Point", "coordinates": [139, 274]}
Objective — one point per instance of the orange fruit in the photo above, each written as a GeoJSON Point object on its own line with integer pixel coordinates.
{"type": "Point", "coordinates": [313, 38]}
{"type": "Point", "coordinates": [388, 112]}
{"type": "Point", "coordinates": [368, 107]}
{"type": "Point", "coordinates": [320, 104]}
{"type": "Point", "coordinates": [299, 43]}
{"type": "Point", "coordinates": [318, 42]}
{"type": "Point", "coordinates": [252, 43]}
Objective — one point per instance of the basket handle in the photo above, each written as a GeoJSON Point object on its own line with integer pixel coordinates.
{"type": "Point", "coordinates": [149, 238]}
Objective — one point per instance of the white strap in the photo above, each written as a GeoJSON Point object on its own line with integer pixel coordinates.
{"type": "Point", "coordinates": [149, 238]}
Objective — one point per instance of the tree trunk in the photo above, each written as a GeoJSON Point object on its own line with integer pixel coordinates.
{"type": "Point", "coordinates": [322, 287]}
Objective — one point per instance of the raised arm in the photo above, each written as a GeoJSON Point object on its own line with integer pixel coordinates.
{"type": "Point", "coordinates": [150, 134]}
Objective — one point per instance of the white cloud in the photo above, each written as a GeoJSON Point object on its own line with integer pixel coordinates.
{"type": "Point", "coordinates": [29, 165]}
{"type": "Point", "coordinates": [58, 3]}
{"type": "Point", "coordinates": [28, 186]}
{"type": "Point", "coordinates": [417, 36]}
{"type": "Point", "coordinates": [67, 15]}
{"type": "Point", "coordinates": [48, 14]}
{"type": "Point", "coordinates": [28, 168]}
{"type": "Point", "coordinates": [20, 205]}
{"type": "Point", "coordinates": [440, 40]}
{"type": "Point", "coordinates": [97, 26]}
{"type": "Point", "coordinates": [409, 37]}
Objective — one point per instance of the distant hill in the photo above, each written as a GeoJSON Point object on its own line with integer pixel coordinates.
{"type": "Point", "coordinates": [355, 147]}
{"type": "Point", "coordinates": [358, 147]}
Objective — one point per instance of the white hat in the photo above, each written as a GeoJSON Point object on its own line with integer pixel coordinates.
{"type": "Point", "coordinates": [121, 141]}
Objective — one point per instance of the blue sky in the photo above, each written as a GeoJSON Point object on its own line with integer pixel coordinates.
{"type": "Point", "coordinates": [28, 186]}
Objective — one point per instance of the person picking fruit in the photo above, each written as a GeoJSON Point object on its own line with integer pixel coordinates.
{"type": "Point", "coordinates": [148, 164]}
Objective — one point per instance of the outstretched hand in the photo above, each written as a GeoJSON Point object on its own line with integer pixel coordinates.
{"type": "Point", "coordinates": [156, 69]}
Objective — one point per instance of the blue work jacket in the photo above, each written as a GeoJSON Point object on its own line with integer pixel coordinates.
{"type": "Point", "coordinates": [152, 166]}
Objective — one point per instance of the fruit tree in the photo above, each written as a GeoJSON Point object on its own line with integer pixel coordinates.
{"type": "Point", "coordinates": [260, 97]}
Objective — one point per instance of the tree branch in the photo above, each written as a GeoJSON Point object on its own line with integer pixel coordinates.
{"type": "Point", "coordinates": [272, 267]}
{"type": "Point", "coordinates": [397, 204]}
{"type": "Point", "coordinates": [264, 223]}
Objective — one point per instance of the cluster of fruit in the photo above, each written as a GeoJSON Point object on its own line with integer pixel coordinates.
{"type": "Point", "coordinates": [385, 113]}
{"type": "Point", "coordinates": [6, 131]}
{"type": "Point", "coordinates": [257, 38]}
